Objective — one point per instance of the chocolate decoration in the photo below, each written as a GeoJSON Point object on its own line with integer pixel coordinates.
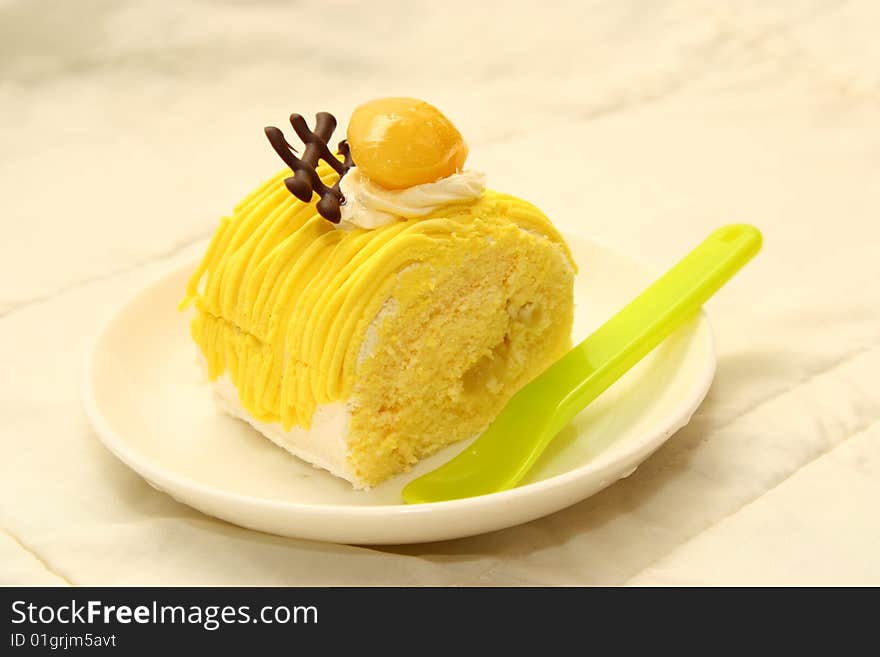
{"type": "Point", "coordinates": [305, 180]}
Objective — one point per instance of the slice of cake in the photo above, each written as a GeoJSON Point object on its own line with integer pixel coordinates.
{"type": "Point", "coordinates": [379, 305]}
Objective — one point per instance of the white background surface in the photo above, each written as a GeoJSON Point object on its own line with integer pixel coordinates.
{"type": "Point", "coordinates": [129, 127]}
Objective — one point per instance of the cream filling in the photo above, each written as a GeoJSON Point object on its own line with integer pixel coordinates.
{"type": "Point", "coordinates": [371, 338]}
{"type": "Point", "coordinates": [324, 445]}
{"type": "Point", "coordinates": [368, 205]}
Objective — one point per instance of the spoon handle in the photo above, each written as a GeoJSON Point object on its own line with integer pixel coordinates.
{"type": "Point", "coordinates": [592, 366]}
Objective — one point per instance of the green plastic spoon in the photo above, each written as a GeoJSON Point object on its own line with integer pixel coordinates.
{"type": "Point", "coordinates": [507, 450]}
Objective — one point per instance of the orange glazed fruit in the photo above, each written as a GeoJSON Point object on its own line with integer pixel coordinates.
{"type": "Point", "coordinates": [401, 142]}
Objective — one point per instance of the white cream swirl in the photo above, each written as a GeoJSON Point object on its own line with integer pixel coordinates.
{"type": "Point", "coordinates": [368, 205]}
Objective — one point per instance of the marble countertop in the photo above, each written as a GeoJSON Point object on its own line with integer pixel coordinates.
{"type": "Point", "coordinates": [130, 127]}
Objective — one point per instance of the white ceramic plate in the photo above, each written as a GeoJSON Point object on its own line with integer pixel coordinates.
{"type": "Point", "coordinates": [144, 393]}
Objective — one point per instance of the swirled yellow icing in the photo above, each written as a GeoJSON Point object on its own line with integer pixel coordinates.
{"type": "Point", "coordinates": [285, 298]}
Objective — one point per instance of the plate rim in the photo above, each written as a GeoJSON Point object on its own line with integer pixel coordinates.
{"type": "Point", "coordinates": [156, 474]}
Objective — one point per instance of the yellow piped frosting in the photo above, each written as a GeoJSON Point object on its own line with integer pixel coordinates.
{"type": "Point", "coordinates": [285, 302]}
